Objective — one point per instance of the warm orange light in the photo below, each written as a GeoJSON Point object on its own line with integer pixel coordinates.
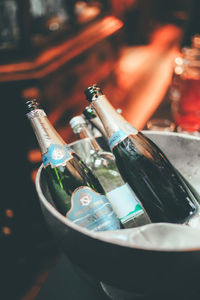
{"type": "Point", "coordinates": [34, 156]}
{"type": "Point", "coordinates": [144, 74]}
{"type": "Point", "coordinates": [6, 230]}
{"type": "Point", "coordinates": [9, 213]}
{"type": "Point", "coordinates": [33, 175]}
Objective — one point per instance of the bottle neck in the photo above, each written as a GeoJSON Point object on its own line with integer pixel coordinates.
{"type": "Point", "coordinates": [111, 120]}
{"type": "Point", "coordinates": [95, 121]}
{"type": "Point", "coordinates": [44, 131]}
{"type": "Point", "coordinates": [82, 132]}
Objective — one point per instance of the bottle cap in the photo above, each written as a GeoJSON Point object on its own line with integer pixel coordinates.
{"type": "Point", "coordinates": [89, 113]}
{"type": "Point", "coordinates": [31, 105]}
{"type": "Point", "coordinates": [76, 121]}
{"type": "Point", "coordinates": [93, 92]}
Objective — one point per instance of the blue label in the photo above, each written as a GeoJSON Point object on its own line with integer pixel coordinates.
{"type": "Point", "coordinates": [116, 138]}
{"type": "Point", "coordinates": [92, 210]}
{"type": "Point", "coordinates": [57, 155]}
{"type": "Point", "coordinates": [125, 130]}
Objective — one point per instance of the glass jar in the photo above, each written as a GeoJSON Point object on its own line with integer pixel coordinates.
{"type": "Point", "coordinates": [185, 88]}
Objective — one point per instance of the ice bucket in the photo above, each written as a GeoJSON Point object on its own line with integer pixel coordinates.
{"type": "Point", "coordinates": [120, 259]}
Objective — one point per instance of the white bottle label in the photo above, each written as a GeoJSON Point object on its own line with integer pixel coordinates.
{"type": "Point", "coordinates": [124, 202]}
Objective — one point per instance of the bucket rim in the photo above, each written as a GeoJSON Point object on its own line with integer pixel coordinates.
{"type": "Point", "coordinates": [102, 236]}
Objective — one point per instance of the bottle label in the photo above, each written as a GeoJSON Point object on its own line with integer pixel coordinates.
{"type": "Point", "coordinates": [125, 203]}
{"type": "Point", "coordinates": [57, 155]}
{"type": "Point", "coordinates": [125, 130]}
{"type": "Point", "coordinates": [92, 210]}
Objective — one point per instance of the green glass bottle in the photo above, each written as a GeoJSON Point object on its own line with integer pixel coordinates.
{"type": "Point", "coordinates": [92, 118]}
{"type": "Point", "coordinates": [96, 126]}
{"type": "Point", "coordinates": [76, 192]}
{"type": "Point", "coordinates": [162, 192]}
{"type": "Point", "coordinates": [102, 163]}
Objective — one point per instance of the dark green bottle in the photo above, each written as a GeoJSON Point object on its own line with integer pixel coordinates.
{"type": "Point", "coordinates": [163, 193]}
{"type": "Point", "coordinates": [96, 124]}
{"type": "Point", "coordinates": [75, 190]}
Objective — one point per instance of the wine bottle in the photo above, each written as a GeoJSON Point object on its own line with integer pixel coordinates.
{"type": "Point", "coordinates": [144, 166]}
{"type": "Point", "coordinates": [91, 116]}
{"type": "Point", "coordinates": [76, 192]}
{"type": "Point", "coordinates": [97, 127]}
{"type": "Point", "coordinates": [128, 209]}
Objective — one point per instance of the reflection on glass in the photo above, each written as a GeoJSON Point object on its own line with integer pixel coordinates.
{"type": "Point", "coordinates": [160, 125]}
{"type": "Point", "coordinates": [49, 14]}
{"type": "Point", "coordinates": [9, 27]}
{"type": "Point", "coordinates": [185, 88]}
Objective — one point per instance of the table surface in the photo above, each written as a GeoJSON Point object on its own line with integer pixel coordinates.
{"type": "Point", "coordinates": [64, 283]}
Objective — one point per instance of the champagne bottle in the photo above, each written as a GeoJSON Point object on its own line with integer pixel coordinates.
{"type": "Point", "coordinates": [163, 193]}
{"type": "Point", "coordinates": [96, 126]}
{"type": "Point", "coordinates": [75, 190]}
{"type": "Point", "coordinates": [102, 163]}
{"type": "Point", "coordinates": [91, 116]}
